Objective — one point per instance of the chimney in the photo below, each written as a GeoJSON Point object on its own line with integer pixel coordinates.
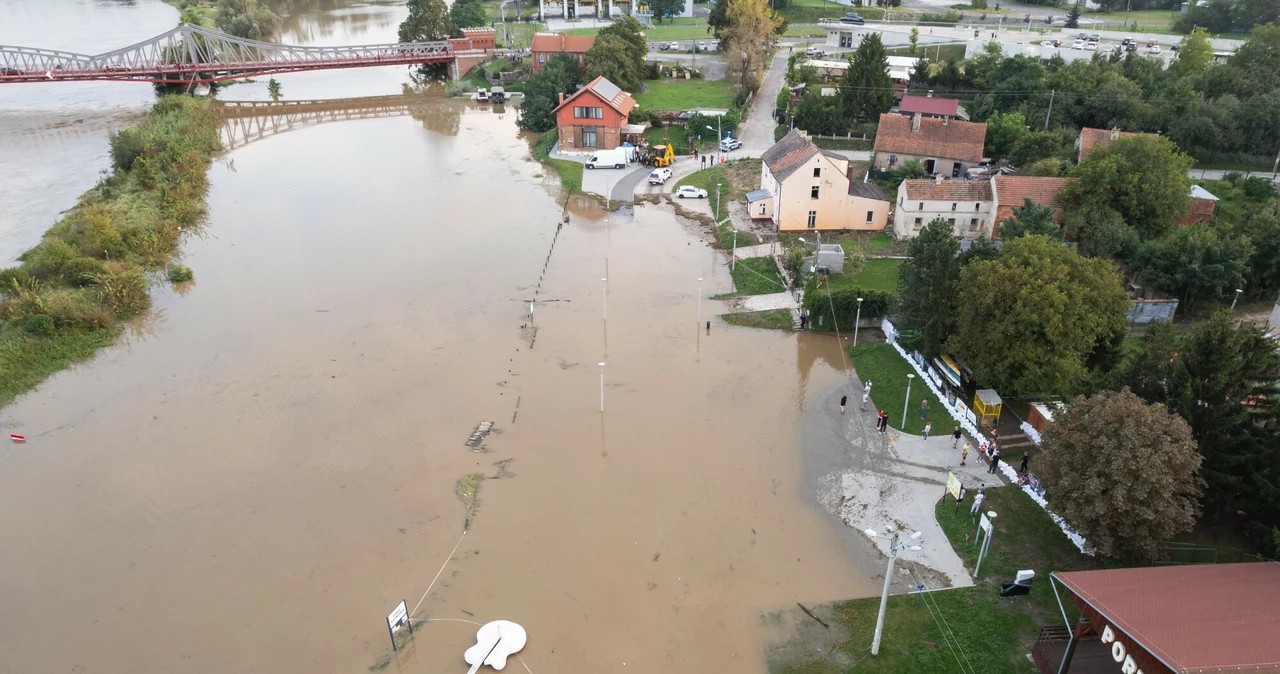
{"type": "Point", "coordinates": [1115, 133]}
{"type": "Point", "coordinates": [848, 172]}
{"type": "Point", "coordinates": [945, 120]}
{"type": "Point", "coordinates": [930, 94]}
{"type": "Point", "coordinates": [937, 179]}
{"type": "Point", "coordinates": [915, 122]}
{"type": "Point", "coordinates": [562, 98]}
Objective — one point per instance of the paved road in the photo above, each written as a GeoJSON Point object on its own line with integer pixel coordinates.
{"type": "Point", "coordinates": [757, 131]}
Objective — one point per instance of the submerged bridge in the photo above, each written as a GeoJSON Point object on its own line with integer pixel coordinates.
{"type": "Point", "coordinates": [191, 54]}
{"type": "Point", "coordinates": [245, 122]}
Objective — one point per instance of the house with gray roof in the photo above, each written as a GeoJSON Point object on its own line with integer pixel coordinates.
{"type": "Point", "coordinates": [803, 187]}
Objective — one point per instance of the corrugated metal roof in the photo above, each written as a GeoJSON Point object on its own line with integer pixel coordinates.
{"type": "Point", "coordinates": [1200, 618]}
{"type": "Point", "coordinates": [868, 191]}
{"type": "Point", "coordinates": [1198, 192]}
{"type": "Point", "coordinates": [757, 195]}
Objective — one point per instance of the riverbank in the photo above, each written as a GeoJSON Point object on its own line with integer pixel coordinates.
{"type": "Point", "coordinates": [94, 268]}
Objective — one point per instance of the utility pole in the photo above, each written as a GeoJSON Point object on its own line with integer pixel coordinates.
{"type": "Point", "coordinates": [1053, 92]}
{"type": "Point", "coordinates": [894, 548]}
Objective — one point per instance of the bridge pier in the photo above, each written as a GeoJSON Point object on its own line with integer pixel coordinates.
{"type": "Point", "coordinates": [453, 70]}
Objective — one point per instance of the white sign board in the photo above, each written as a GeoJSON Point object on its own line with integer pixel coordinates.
{"type": "Point", "coordinates": [984, 523]}
{"type": "Point", "coordinates": [953, 485]}
{"type": "Point", "coordinates": [398, 617]}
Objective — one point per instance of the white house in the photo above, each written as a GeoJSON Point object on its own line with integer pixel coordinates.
{"type": "Point", "coordinates": [967, 205]}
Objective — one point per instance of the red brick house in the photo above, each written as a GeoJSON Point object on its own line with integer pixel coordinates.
{"type": "Point", "coordinates": [1011, 192]}
{"type": "Point", "coordinates": [1202, 207]}
{"type": "Point", "coordinates": [546, 45]}
{"type": "Point", "coordinates": [1091, 139]}
{"type": "Point", "coordinates": [592, 118]}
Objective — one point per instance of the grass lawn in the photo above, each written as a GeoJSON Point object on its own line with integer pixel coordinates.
{"type": "Point", "coordinates": [805, 31]}
{"type": "Point", "coordinates": [677, 136]}
{"type": "Point", "coordinates": [991, 634]}
{"type": "Point", "coordinates": [685, 95]}
{"type": "Point", "coordinates": [570, 171]}
{"type": "Point", "coordinates": [844, 144]}
{"type": "Point", "coordinates": [888, 371]}
{"type": "Point", "coordinates": [772, 319]}
{"type": "Point", "coordinates": [519, 34]}
{"type": "Point", "coordinates": [935, 52]}
{"type": "Point", "coordinates": [757, 276]}
{"type": "Point", "coordinates": [1157, 17]}
{"type": "Point", "coordinates": [26, 360]}
{"type": "Point", "coordinates": [1233, 206]}
{"type": "Point", "coordinates": [879, 274]}
{"type": "Point", "coordinates": [735, 180]}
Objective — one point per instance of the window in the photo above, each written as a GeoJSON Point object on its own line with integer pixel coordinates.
{"type": "Point", "coordinates": [813, 219]}
{"type": "Point", "coordinates": [893, 159]}
{"type": "Point", "coordinates": [921, 206]}
{"type": "Point", "coordinates": [952, 222]}
{"type": "Point", "coordinates": [871, 216]}
{"type": "Point", "coordinates": [919, 221]}
{"type": "Point", "coordinates": [582, 112]}
{"type": "Point", "coordinates": [762, 204]}
{"type": "Point", "coordinates": [542, 58]}
{"type": "Point", "coordinates": [588, 136]}
{"type": "Point", "coordinates": [953, 205]}
{"type": "Point", "coordinates": [973, 225]}
{"type": "Point", "coordinates": [977, 207]}
{"type": "Point", "coordinates": [817, 172]}
{"type": "Point", "coordinates": [813, 192]}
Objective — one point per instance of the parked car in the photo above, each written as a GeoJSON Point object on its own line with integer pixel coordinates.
{"type": "Point", "coordinates": [1132, 46]}
{"type": "Point", "coordinates": [730, 144]}
{"type": "Point", "coordinates": [1175, 46]}
{"type": "Point", "coordinates": [1126, 41]}
{"type": "Point", "coordinates": [1095, 37]}
{"type": "Point", "coordinates": [702, 46]}
{"type": "Point", "coordinates": [1153, 49]}
{"type": "Point", "coordinates": [1078, 44]}
{"type": "Point", "coordinates": [1082, 36]}
{"type": "Point", "coordinates": [690, 192]}
{"type": "Point", "coordinates": [674, 46]}
{"type": "Point", "coordinates": [616, 158]}
{"type": "Point", "coordinates": [1091, 46]}
{"type": "Point", "coordinates": [659, 176]}
{"type": "Point", "coordinates": [852, 17]}
{"type": "Point", "coordinates": [1152, 43]}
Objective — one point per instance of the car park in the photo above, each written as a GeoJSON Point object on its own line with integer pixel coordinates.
{"type": "Point", "coordinates": [691, 192]}
{"type": "Point", "coordinates": [852, 17]}
{"type": "Point", "coordinates": [1153, 49]}
{"type": "Point", "coordinates": [1078, 44]}
{"type": "Point", "coordinates": [659, 176]}
{"type": "Point", "coordinates": [1091, 46]}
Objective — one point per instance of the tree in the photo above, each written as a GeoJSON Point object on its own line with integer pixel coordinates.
{"type": "Point", "coordinates": [1028, 320]}
{"type": "Point", "coordinates": [927, 285]}
{"type": "Point", "coordinates": [1263, 230]}
{"type": "Point", "coordinates": [247, 19]}
{"type": "Point", "coordinates": [1101, 231]}
{"type": "Point", "coordinates": [1221, 377]}
{"type": "Point", "coordinates": [1073, 19]}
{"type": "Point", "coordinates": [980, 248]}
{"type": "Point", "coordinates": [1031, 218]}
{"type": "Point", "coordinates": [818, 114]}
{"type": "Point", "coordinates": [542, 92]}
{"type": "Point", "coordinates": [1194, 262]}
{"type": "Point", "coordinates": [1194, 55]}
{"type": "Point", "coordinates": [468, 14]}
{"type": "Point", "coordinates": [1035, 146]}
{"type": "Point", "coordinates": [866, 89]}
{"type": "Point", "coordinates": [1004, 132]}
{"type": "Point", "coordinates": [1123, 473]}
{"type": "Point", "coordinates": [629, 30]}
{"type": "Point", "coordinates": [428, 21]}
{"type": "Point", "coordinates": [750, 30]}
{"type": "Point", "coordinates": [1145, 180]}
{"type": "Point", "coordinates": [914, 45]}
{"type": "Point", "coordinates": [666, 8]}
{"type": "Point", "coordinates": [611, 57]}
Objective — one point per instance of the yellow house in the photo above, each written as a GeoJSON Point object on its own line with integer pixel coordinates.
{"type": "Point", "coordinates": [804, 188]}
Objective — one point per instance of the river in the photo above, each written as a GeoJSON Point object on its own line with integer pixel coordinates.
{"type": "Point", "coordinates": [266, 464]}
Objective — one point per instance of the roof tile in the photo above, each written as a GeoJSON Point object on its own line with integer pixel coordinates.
{"type": "Point", "coordinates": [948, 190]}
{"type": "Point", "coordinates": [944, 139]}
{"type": "Point", "coordinates": [789, 154]}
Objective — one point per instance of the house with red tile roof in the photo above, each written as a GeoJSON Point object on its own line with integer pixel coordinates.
{"type": "Point", "coordinates": [1010, 192]}
{"type": "Point", "coordinates": [546, 45]}
{"type": "Point", "coordinates": [928, 106]}
{"type": "Point", "coordinates": [1091, 139]}
{"type": "Point", "coordinates": [966, 205]}
{"type": "Point", "coordinates": [942, 145]}
{"type": "Point", "coordinates": [805, 188]}
{"type": "Point", "coordinates": [592, 118]}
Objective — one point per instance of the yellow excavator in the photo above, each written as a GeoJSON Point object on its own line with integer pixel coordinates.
{"type": "Point", "coordinates": [658, 156]}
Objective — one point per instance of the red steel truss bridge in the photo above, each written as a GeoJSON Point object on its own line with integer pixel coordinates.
{"type": "Point", "coordinates": [191, 54]}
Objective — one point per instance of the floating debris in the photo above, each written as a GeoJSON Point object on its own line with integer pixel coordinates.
{"type": "Point", "coordinates": [477, 436]}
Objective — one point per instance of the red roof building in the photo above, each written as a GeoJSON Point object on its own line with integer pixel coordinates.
{"type": "Point", "coordinates": [1167, 620]}
{"type": "Point", "coordinates": [546, 45]}
{"type": "Point", "coordinates": [592, 118]}
{"type": "Point", "coordinates": [1091, 139]}
{"type": "Point", "coordinates": [1011, 192]}
{"type": "Point", "coordinates": [943, 146]}
{"type": "Point", "coordinates": [929, 106]}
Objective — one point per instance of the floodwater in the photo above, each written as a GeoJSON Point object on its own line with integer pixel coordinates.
{"type": "Point", "coordinates": [266, 464]}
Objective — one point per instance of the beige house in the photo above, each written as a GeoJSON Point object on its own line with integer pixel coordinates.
{"type": "Point", "coordinates": [967, 205]}
{"type": "Point", "coordinates": [804, 188]}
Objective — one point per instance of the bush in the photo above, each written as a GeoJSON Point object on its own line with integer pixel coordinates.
{"type": "Point", "coordinates": [78, 273]}
{"type": "Point", "coordinates": [844, 301]}
{"type": "Point", "coordinates": [46, 260]}
{"type": "Point", "coordinates": [126, 147]}
{"type": "Point", "coordinates": [40, 324]}
{"type": "Point", "coordinates": [1257, 188]}
{"type": "Point", "coordinates": [77, 309]}
{"type": "Point", "coordinates": [11, 278]}
{"type": "Point", "coordinates": [180, 273]}
{"type": "Point", "coordinates": [123, 290]}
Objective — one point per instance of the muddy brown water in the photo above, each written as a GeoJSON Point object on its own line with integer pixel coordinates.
{"type": "Point", "coordinates": [266, 464]}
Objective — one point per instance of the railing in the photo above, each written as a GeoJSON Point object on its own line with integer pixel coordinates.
{"type": "Point", "coordinates": [1050, 645]}
{"type": "Point", "coordinates": [1190, 553]}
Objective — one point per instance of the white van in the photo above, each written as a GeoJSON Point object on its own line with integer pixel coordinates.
{"type": "Point", "coordinates": [615, 159]}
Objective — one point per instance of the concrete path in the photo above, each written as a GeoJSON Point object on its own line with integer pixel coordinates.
{"type": "Point", "coordinates": [760, 250]}
{"type": "Point", "coordinates": [783, 300]}
{"type": "Point", "coordinates": [867, 479]}
{"type": "Point", "coordinates": [757, 130]}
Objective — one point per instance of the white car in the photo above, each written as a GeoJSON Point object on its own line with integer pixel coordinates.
{"type": "Point", "coordinates": [690, 192]}
{"type": "Point", "coordinates": [1092, 46]}
{"type": "Point", "coordinates": [730, 144]}
{"type": "Point", "coordinates": [702, 46]}
{"type": "Point", "coordinates": [674, 45]}
{"type": "Point", "coordinates": [1078, 44]}
{"type": "Point", "coordinates": [659, 176]}
{"type": "Point", "coordinates": [1153, 49]}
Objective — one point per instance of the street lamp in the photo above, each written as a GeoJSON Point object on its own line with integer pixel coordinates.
{"type": "Point", "coordinates": [602, 388]}
{"type": "Point", "coordinates": [604, 298]}
{"type": "Point", "coordinates": [907, 403]}
{"type": "Point", "coordinates": [895, 547]}
{"type": "Point", "coordinates": [1234, 299]}
{"type": "Point", "coordinates": [856, 321]}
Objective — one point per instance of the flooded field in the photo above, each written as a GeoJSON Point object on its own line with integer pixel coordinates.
{"type": "Point", "coordinates": [269, 462]}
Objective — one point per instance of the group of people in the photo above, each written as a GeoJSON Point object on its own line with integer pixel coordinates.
{"type": "Point", "coordinates": [882, 419]}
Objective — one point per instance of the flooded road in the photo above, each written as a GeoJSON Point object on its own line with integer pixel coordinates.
{"type": "Point", "coordinates": [267, 463]}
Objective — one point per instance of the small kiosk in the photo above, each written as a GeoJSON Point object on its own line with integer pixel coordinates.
{"type": "Point", "coordinates": [986, 405]}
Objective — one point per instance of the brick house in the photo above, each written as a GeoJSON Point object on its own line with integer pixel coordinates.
{"type": "Point", "coordinates": [592, 118]}
{"type": "Point", "coordinates": [805, 188]}
{"type": "Point", "coordinates": [1010, 192]}
{"type": "Point", "coordinates": [1091, 139]}
{"type": "Point", "coordinates": [928, 106]}
{"type": "Point", "coordinates": [546, 45]}
{"type": "Point", "coordinates": [1202, 207]}
{"type": "Point", "coordinates": [943, 146]}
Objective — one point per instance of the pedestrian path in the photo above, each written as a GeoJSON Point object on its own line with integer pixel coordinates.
{"type": "Point", "coordinates": [767, 302]}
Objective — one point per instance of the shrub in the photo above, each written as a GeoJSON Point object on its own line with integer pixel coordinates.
{"type": "Point", "coordinates": [40, 324]}
{"type": "Point", "coordinates": [11, 278]}
{"type": "Point", "coordinates": [76, 309]}
{"type": "Point", "coordinates": [78, 272]}
{"type": "Point", "coordinates": [126, 147]}
{"type": "Point", "coordinates": [1254, 187]}
{"type": "Point", "coordinates": [123, 290]}
{"type": "Point", "coordinates": [1232, 177]}
{"type": "Point", "coordinates": [180, 273]}
{"type": "Point", "coordinates": [46, 260]}
{"type": "Point", "coordinates": [844, 301]}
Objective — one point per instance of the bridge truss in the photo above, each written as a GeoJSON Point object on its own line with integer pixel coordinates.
{"type": "Point", "coordinates": [192, 54]}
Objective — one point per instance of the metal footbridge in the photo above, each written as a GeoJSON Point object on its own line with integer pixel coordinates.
{"type": "Point", "coordinates": [192, 54]}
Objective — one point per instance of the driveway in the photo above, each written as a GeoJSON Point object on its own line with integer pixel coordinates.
{"type": "Point", "coordinates": [757, 131]}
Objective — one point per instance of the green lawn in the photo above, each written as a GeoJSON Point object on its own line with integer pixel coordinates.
{"type": "Point", "coordinates": [879, 274]}
{"type": "Point", "coordinates": [677, 136]}
{"type": "Point", "coordinates": [1233, 206]}
{"type": "Point", "coordinates": [521, 34]}
{"type": "Point", "coordinates": [1156, 17]}
{"type": "Point", "coordinates": [888, 371]}
{"type": "Point", "coordinates": [707, 179]}
{"type": "Point", "coordinates": [570, 171]}
{"type": "Point", "coordinates": [26, 360]}
{"type": "Point", "coordinates": [685, 95]}
{"type": "Point", "coordinates": [757, 276]}
{"type": "Point", "coordinates": [935, 52]}
{"type": "Point", "coordinates": [983, 630]}
{"type": "Point", "coordinates": [771, 319]}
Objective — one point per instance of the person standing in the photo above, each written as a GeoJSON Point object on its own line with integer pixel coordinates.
{"type": "Point", "coordinates": [865, 397]}
{"type": "Point", "coordinates": [964, 452]}
{"type": "Point", "coordinates": [924, 408]}
{"type": "Point", "coordinates": [927, 428]}
{"type": "Point", "coordinates": [1026, 458]}
{"type": "Point", "coordinates": [995, 460]}
{"type": "Point", "coordinates": [977, 501]}
{"type": "Point", "coordinates": [867, 389]}
{"type": "Point", "coordinates": [843, 399]}
{"type": "Point", "coordinates": [955, 438]}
